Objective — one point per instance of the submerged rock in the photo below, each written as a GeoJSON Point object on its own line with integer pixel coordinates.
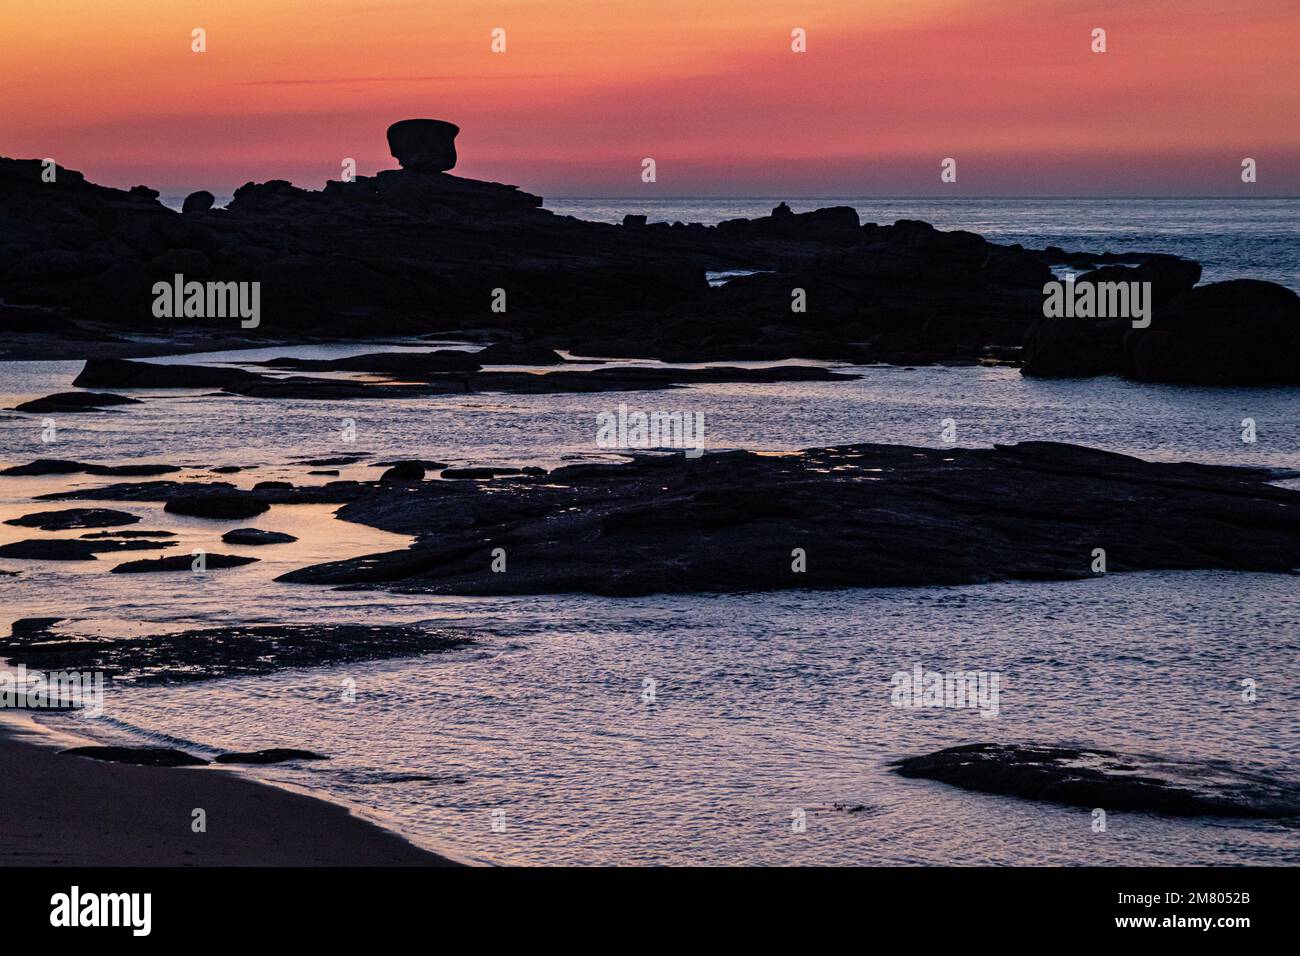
{"type": "Point", "coordinates": [1103, 778]}
{"type": "Point", "coordinates": [214, 652]}
{"type": "Point", "coordinates": [74, 402]}
{"type": "Point", "coordinates": [141, 756]}
{"type": "Point", "coordinates": [271, 755]}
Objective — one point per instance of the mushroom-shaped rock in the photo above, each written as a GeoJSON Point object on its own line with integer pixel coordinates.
{"type": "Point", "coordinates": [200, 201]}
{"type": "Point", "coordinates": [424, 144]}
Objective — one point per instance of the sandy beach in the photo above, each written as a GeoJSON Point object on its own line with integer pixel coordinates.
{"type": "Point", "coordinates": [62, 810]}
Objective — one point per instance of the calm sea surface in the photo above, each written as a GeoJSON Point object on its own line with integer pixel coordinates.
{"type": "Point", "coordinates": [536, 745]}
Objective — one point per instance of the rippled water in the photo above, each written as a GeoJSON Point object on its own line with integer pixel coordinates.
{"type": "Point", "coordinates": [765, 704]}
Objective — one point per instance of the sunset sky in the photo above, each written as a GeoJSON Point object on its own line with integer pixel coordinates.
{"type": "Point", "coordinates": [709, 88]}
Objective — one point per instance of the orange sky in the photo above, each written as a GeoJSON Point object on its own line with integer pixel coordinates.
{"type": "Point", "coordinates": [709, 88]}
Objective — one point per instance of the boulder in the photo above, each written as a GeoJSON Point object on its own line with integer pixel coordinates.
{"type": "Point", "coordinates": [200, 201]}
{"type": "Point", "coordinates": [426, 145]}
{"type": "Point", "coordinates": [404, 471]}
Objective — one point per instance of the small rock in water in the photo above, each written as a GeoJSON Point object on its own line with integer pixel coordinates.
{"type": "Point", "coordinates": [141, 756]}
{"type": "Point", "coordinates": [182, 562]}
{"type": "Point", "coordinates": [1104, 778]}
{"type": "Point", "coordinates": [74, 518]}
{"type": "Point", "coordinates": [271, 755]}
{"type": "Point", "coordinates": [73, 402]}
{"type": "Point", "coordinates": [256, 536]}
{"type": "Point", "coordinates": [404, 471]}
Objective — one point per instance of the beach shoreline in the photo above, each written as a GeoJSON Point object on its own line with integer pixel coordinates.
{"type": "Point", "coordinates": [65, 810]}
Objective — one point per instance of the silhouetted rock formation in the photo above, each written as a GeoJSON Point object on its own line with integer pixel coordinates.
{"type": "Point", "coordinates": [418, 250]}
{"type": "Point", "coordinates": [200, 201]}
{"type": "Point", "coordinates": [424, 144]}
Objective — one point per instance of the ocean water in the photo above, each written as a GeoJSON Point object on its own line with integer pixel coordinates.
{"type": "Point", "coordinates": [537, 745]}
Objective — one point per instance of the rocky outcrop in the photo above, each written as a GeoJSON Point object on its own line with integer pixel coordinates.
{"type": "Point", "coordinates": [418, 250]}
{"type": "Point", "coordinates": [1243, 332]}
{"type": "Point", "coordinates": [861, 516]}
{"type": "Point", "coordinates": [121, 373]}
{"type": "Point", "coordinates": [60, 466]}
{"type": "Point", "coordinates": [425, 145]}
{"type": "Point", "coordinates": [1083, 777]}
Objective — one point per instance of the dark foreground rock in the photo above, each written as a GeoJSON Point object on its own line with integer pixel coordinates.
{"type": "Point", "coordinates": [1113, 781]}
{"type": "Point", "coordinates": [218, 505]}
{"type": "Point", "coordinates": [74, 402]}
{"type": "Point", "coordinates": [120, 373]}
{"type": "Point", "coordinates": [850, 516]}
{"type": "Point", "coordinates": [142, 756]}
{"type": "Point", "coordinates": [270, 755]}
{"type": "Point", "coordinates": [182, 562]}
{"type": "Point", "coordinates": [214, 652]}
{"type": "Point", "coordinates": [256, 536]}
{"type": "Point", "coordinates": [75, 518]}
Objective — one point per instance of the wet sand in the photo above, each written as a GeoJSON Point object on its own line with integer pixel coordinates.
{"type": "Point", "coordinates": [62, 810]}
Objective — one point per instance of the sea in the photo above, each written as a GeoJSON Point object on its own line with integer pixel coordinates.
{"type": "Point", "coordinates": [715, 729]}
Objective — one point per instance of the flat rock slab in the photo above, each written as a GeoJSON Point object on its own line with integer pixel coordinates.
{"type": "Point", "coordinates": [182, 562]}
{"type": "Point", "coordinates": [1110, 780]}
{"type": "Point", "coordinates": [141, 756]}
{"type": "Point", "coordinates": [864, 516]}
{"type": "Point", "coordinates": [208, 653]}
{"type": "Point", "coordinates": [74, 518]}
{"type": "Point", "coordinates": [60, 466]}
{"type": "Point", "coordinates": [271, 755]}
{"type": "Point", "coordinates": [74, 402]}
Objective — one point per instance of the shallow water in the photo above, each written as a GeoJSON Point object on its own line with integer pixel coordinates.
{"type": "Point", "coordinates": [764, 704]}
